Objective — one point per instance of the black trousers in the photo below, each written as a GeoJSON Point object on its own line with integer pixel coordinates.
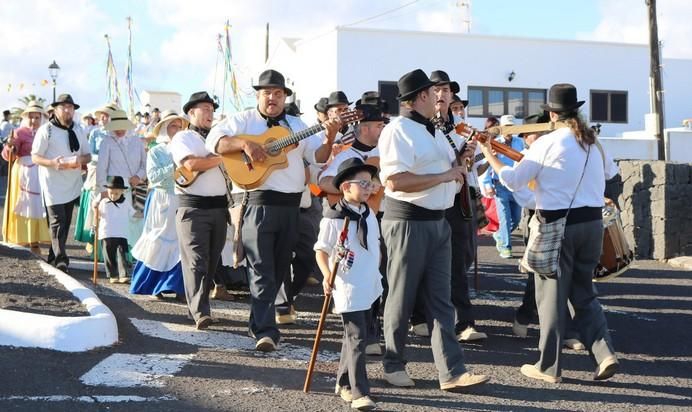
{"type": "Point", "coordinates": [115, 256]}
{"type": "Point", "coordinates": [59, 221]}
{"type": "Point", "coordinates": [352, 372]}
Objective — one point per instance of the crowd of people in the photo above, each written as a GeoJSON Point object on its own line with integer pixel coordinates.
{"type": "Point", "coordinates": [403, 182]}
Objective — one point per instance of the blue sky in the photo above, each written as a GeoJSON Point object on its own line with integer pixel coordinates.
{"type": "Point", "coordinates": [175, 46]}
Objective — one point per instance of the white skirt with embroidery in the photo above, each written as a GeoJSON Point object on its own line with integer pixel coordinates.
{"type": "Point", "coordinates": [29, 203]}
{"type": "Point", "coordinates": [157, 247]}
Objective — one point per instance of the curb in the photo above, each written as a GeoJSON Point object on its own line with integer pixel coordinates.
{"type": "Point", "coordinates": [683, 262]}
{"type": "Point", "coordinates": [65, 334]}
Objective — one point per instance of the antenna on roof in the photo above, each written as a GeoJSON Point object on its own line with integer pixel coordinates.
{"type": "Point", "coordinates": [465, 8]}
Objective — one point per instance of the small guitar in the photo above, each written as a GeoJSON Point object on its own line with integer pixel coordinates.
{"type": "Point", "coordinates": [469, 132]}
{"type": "Point", "coordinates": [276, 142]}
{"type": "Point", "coordinates": [184, 177]}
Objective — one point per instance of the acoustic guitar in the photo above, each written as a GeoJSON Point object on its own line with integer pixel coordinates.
{"type": "Point", "coordinates": [276, 141]}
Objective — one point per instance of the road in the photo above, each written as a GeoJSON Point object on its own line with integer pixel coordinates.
{"type": "Point", "coordinates": [162, 364]}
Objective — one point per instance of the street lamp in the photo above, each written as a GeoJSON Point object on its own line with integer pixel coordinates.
{"type": "Point", "coordinates": [54, 69]}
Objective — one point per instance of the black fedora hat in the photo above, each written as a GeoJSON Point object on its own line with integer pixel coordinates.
{"type": "Point", "coordinates": [321, 105]}
{"type": "Point", "coordinates": [336, 98]}
{"type": "Point", "coordinates": [199, 97]}
{"type": "Point", "coordinates": [456, 98]}
{"type": "Point", "coordinates": [350, 167]}
{"type": "Point", "coordinates": [371, 113]}
{"type": "Point", "coordinates": [272, 78]}
{"type": "Point", "coordinates": [542, 117]}
{"type": "Point", "coordinates": [562, 98]}
{"type": "Point", "coordinates": [412, 83]}
{"type": "Point", "coordinates": [440, 78]}
{"type": "Point", "coordinates": [115, 182]}
{"type": "Point", "coordinates": [64, 99]}
{"type": "Point", "coordinates": [292, 109]}
{"type": "Point", "coordinates": [371, 98]}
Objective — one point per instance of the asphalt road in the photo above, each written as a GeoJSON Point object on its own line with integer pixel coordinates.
{"type": "Point", "coordinates": [649, 312]}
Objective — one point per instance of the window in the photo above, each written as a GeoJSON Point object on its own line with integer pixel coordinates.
{"type": "Point", "coordinates": [498, 101]}
{"type": "Point", "coordinates": [608, 106]}
{"type": "Point", "coordinates": [389, 92]}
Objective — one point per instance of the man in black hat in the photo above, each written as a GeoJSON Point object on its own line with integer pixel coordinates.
{"type": "Point", "coordinates": [337, 103]}
{"type": "Point", "coordinates": [458, 107]}
{"type": "Point", "coordinates": [5, 126]}
{"type": "Point", "coordinates": [270, 224]}
{"type": "Point", "coordinates": [201, 219]}
{"type": "Point", "coordinates": [417, 169]}
{"type": "Point", "coordinates": [321, 109]}
{"type": "Point", "coordinates": [463, 229]}
{"type": "Point", "coordinates": [60, 149]}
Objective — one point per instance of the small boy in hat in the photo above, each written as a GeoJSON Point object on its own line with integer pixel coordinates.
{"type": "Point", "coordinates": [358, 282]}
{"type": "Point", "coordinates": [114, 214]}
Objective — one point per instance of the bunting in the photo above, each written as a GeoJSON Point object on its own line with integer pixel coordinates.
{"type": "Point", "coordinates": [111, 75]}
{"type": "Point", "coordinates": [230, 80]}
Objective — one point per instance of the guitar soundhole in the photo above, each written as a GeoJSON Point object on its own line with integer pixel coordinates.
{"type": "Point", "coordinates": [271, 148]}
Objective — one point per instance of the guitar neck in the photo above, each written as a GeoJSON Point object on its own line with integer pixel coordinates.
{"type": "Point", "coordinates": [294, 138]}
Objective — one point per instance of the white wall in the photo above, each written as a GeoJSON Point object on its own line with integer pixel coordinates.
{"type": "Point", "coordinates": [162, 100]}
{"type": "Point", "coordinates": [679, 143]}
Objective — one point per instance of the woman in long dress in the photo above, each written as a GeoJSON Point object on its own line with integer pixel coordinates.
{"type": "Point", "coordinates": [157, 268]}
{"type": "Point", "coordinates": [122, 154]}
{"type": "Point", "coordinates": [83, 224]}
{"type": "Point", "coordinates": [24, 221]}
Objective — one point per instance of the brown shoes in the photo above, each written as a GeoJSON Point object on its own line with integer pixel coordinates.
{"type": "Point", "coordinates": [203, 322]}
{"type": "Point", "coordinates": [220, 293]}
{"type": "Point", "coordinates": [464, 381]}
{"type": "Point", "coordinates": [265, 344]}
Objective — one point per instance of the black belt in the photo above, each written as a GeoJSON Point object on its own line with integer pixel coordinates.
{"type": "Point", "coordinates": [576, 215]}
{"type": "Point", "coordinates": [202, 202]}
{"type": "Point", "coordinates": [399, 210]}
{"type": "Point", "coordinates": [270, 198]}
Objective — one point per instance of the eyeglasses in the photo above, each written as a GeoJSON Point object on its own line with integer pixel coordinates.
{"type": "Point", "coordinates": [365, 184]}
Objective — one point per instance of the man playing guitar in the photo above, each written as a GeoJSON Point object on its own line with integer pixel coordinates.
{"type": "Point", "coordinates": [270, 226]}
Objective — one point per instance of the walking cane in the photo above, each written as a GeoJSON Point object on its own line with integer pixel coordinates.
{"type": "Point", "coordinates": [96, 247]}
{"type": "Point", "coordinates": [477, 280]}
{"type": "Point", "coordinates": [340, 254]}
{"type": "Point", "coordinates": [8, 206]}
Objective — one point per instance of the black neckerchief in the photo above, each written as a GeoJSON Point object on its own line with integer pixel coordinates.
{"type": "Point", "coordinates": [358, 145]}
{"type": "Point", "coordinates": [273, 121]}
{"type": "Point", "coordinates": [74, 142]}
{"type": "Point", "coordinates": [341, 209]}
{"type": "Point", "coordinates": [202, 131]}
{"type": "Point", "coordinates": [116, 202]}
{"type": "Point", "coordinates": [419, 118]}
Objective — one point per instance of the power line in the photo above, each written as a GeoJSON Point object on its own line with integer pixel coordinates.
{"type": "Point", "coordinates": [381, 14]}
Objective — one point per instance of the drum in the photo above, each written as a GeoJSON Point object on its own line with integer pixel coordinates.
{"type": "Point", "coordinates": [616, 255]}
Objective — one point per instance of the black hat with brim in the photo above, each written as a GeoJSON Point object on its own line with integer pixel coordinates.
{"type": "Point", "coordinates": [336, 98]}
{"type": "Point", "coordinates": [64, 99]}
{"type": "Point", "coordinates": [456, 98]}
{"type": "Point", "coordinates": [197, 98]}
{"type": "Point", "coordinates": [562, 98]}
{"type": "Point", "coordinates": [371, 113]}
{"type": "Point", "coordinates": [115, 182]}
{"type": "Point", "coordinates": [350, 167]}
{"type": "Point", "coordinates": [272, 79]}
{"type": "Point", "coordinates": [413, 82]}
{"type": "Point", "coordinates": [321, 105]}
{"type": "Point", "coordinates": [441, 78]}
{"type": "Point", "coordinates": [292, 109]}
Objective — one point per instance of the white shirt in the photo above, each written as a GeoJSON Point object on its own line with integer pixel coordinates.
{"type": "Point", "coordinates": [524, 196]}
{"type": "Point", "coordinates": [58, 186]}
{"type": "Point", "coordinates": [556, 161]}
{"type": "Point", "coordinates": [344, 155]}
{"type": "Point", "coordinates": [114, 220]}
{"type": "Point", "coordinates": [187, 143]}
{"type": "Point", "coordinates": [120, 156]}
{"type": "Point", "coordinates": [250, 122]}
{"type": "Point", "coordinates": [406, 146]}
{"type": "Point", "coordinates": [5, 129]}
{"type": "Point", "coordinates": [355, 288]}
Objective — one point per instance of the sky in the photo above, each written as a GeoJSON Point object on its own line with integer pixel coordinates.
{"type": "Point", "coordinates": [175, 41]}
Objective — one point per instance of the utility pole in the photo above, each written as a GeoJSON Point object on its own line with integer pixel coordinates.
{"type": "Point", "coordinates": [655, 83]}
{"type": "Point", "coordinates": [266, 46]}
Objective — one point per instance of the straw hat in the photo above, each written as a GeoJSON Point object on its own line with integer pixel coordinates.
{"type": "Point", "coordinates": [107, 109]}
{"type": "Point", "coordinates": [119, 121]}
{"type": "Point", "coordinates": [33, 107]}
{"type": "Point", "coordinates": [167, 116]}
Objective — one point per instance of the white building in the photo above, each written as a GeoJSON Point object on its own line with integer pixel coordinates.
{"type": "Point", "coordinates": [161, 100]}
{"type": "Point", "coordinates": [498, 75]}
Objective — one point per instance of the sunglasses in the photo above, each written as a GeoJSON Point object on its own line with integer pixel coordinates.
{"type": "Point", "coordinates": [364, 184]}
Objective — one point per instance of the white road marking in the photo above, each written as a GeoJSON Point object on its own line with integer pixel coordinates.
{"type": "Point", "coordinates": [132, 370]}
{"type": "Point", "coordinates": [225, 340]}
{"type": "Point", "coordinates": [89, 399]}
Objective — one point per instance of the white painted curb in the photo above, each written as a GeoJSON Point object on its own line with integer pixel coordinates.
{"type": "Point", "coordinates": [65, 334]}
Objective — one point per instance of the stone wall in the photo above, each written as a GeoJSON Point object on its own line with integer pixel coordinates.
{"type": "Point", "coordinates": [655, 198]}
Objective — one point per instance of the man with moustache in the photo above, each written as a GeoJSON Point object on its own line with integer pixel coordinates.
{"type": "Point", "coordinates": [201, 218]}
{"type": "Point", "coordinates": [60, 149]}
{"type": "Point", "coordinates": [420, 181]}
{"type": "Point", "coordinates": [270, 223]}
{"type": "Point", "coordinates": [463, 230]}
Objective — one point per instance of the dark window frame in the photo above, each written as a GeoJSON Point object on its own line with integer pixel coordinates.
{"type": "Point", "coordinates": [609, 107]}
{"type": "Point", "coordinates": [505, 93]}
